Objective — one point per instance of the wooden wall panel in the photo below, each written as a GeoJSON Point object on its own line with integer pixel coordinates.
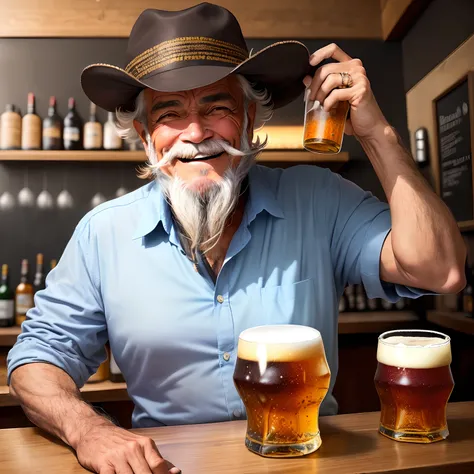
{"type": "Point", "coordinates": [420, 97]}
{"type": "Point", "coordinates": [259, 18]}
{"type": "Point", "coordinates": [399, 15]}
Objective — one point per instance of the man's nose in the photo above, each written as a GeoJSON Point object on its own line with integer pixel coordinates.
{"type": "Point", "coordinates": [196, 131]}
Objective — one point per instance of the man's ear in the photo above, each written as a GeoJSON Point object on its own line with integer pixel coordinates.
{"type": "Point", "coordinates": [251, 111]}
{"type": "Point", "coordinates": [140, 128]}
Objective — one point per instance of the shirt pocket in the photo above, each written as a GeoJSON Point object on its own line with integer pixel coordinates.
{"type": "Point", "coordinates": [292, 303]}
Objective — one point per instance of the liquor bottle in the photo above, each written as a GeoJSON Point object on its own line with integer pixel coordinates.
{"type": "Point", "coordinates": [114, 371]}
{"type": "Point", "coordinates": [386, 305]}
{"type": "Point", "coordinates": [343, 303]}
{"type": "Point", "coordinates": [31, 127]}
{"type": "Point", "coordinates": [373, 304]}
{"type": "Point", "coordinates": [52, 128]}
{"type": "Point", "coordinates": [72, 128]}
{"type": "Point", "coordinates": [350, 295]}
{"type": "Point", "coordinates": [7, 300]}
{"type": "Point", "coordinates": [39, 281]}
{"type": "Point", "coordinates": [361, 301]}
{"type": "Point", "coordinates": [11, 129]}
{"type": "Point", "coordinates": [23, 295]}
{"type": "Point", "coordinates": [52, 264]}
{"type": "Point", "coordinates": [112, 140]}
{"type": "Point", "coordinates": [93, 131]}
{"type": "Point", "coordinates": [401, 304]}
{"type": "Point", "coordinates": [467, 292]}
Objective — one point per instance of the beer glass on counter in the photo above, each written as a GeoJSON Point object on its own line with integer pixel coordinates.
{"type": "Point", "coordinates": [414, 383]}
{"type": "Point", "coordinates": [282, 376]}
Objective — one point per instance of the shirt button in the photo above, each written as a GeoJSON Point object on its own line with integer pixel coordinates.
{"type": "Point", "coordinates": [220, 299]}
{"type": "Point", "coordinates": [226, 356]}
{"type": "Point", "coordinates": [237, 413]}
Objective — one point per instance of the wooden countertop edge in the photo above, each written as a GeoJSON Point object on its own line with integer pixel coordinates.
{"type": "Point", "coordinates": [93, 392]}
{"type": "Point", "coordinates": [452, 320]}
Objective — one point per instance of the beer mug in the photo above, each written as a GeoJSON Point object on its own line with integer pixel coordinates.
{"type": "Point", "coordinates": [324, 131]}
{"type": "Point", "coordinates": [282, 376]}
{"type": "Point", "coordinates": [414, 383]}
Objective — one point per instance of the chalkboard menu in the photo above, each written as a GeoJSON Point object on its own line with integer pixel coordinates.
{"type": "Point", "coordinates": [455, 151]}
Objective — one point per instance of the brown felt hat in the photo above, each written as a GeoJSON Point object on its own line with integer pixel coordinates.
{"type": "Point", "coordinates": [172, 51]}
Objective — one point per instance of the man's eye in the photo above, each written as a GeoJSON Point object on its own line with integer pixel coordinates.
{"type": "Point", "coordinates": [167, 116]}
{"type": "Point", "coordinates": [220, 108]}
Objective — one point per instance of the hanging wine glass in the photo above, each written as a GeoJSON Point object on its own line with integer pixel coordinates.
{"type": "Point", "coordinates": [98, 198]}
{"type": "Point", "coordinates": [64, 199]}
{"type": "Point", "coordinates": [44, 199]}
{"type": "Point", "coordinates": [7, 201]}
{"type": "Point", "coordinates": [26, 197]}
{"type": "Point", "coordinates": [121, 191]}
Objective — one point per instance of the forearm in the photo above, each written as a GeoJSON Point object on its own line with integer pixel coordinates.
{"type": "Point", "coordinates": [52, 401]}
{"type": "Point", "coordinates": [426, 242]}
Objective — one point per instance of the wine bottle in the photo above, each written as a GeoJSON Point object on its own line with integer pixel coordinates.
{"type": "Point", "coordinates": [386, 305]}
{"type": "Point", "coordinates": [52, 128]}
{"type": "Point", "coordinates": [31, 127]}
{"type": "Point", "coordinates": [361, 301]}
{"type": "Point", "coordinates": [112, 140]}
{"type": "Point", "coordinates": [343, 303]}
{"type": "Point", "coordinates": [23, 295]}
{"type": "Point", "coordinates": [39, 281]}
{"type": "Point", "coordinates": [372, 304]}
{"type": "Point", "coordinates": [52, 264]}
{"type": "Point", "coordinates": [350, 295]}
{"type": "Point", "coordinates": [93, 131]}
{"type": "Point", "coordinates": [72, 128]}
{"type": "Point", "coordinates": [10, 129]}
{"type": "Point", "coordinates": [7, 300]}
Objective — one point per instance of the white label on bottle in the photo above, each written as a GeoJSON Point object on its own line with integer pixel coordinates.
{"type": "Point", "coordinates": [6, 309]}
{"type": "Point", "coordinates": [52, 132]}
{"type": "Point", "coordinates": [112, 141]}
{"type": "Point", "coordinates": [92, 136]}
{"type": "Point", "coordinates": [31, 132]}
{"type": "Point", "coordinates": [24, 303]}
{"type": "Point", "coordinates": [72, 134]}
{"type": "Point", "coordinates": [10, 130]}
{"type": "Point", "coordinates": [114, 368]}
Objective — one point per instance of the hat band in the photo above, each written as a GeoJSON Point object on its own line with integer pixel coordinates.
{"type": "Point", "coordinates": [187, 48]}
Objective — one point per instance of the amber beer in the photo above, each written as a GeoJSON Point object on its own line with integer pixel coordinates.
{"type": "Point", "coordinates": [282, 377]}
{"type": "Point", "coordinates": [414, 382]}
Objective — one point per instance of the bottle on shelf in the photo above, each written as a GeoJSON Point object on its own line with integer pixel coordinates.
{"type": "Point", "coordinates": [10, 125]}
{"type": "Point", "coordinates": [39, 280]}
{"type": "Point", "coordinates": [23, 294]}
{"type": "Point", "coordinates": [401, 304]}
{"type": "Point", "coordinates": [115, 375]}
{"type": "Point", "coordinates": [373, 304]}
{"type": "Point", "coordinates": [343, 303]}
{"type": "Point", "coordinates": [52, 264]}
{"type": "Point", "coordinates": [386, 305]}
{"type": "Point", "coordinates": [361, 299]}
{"type": "Point", "coordinates": [7, 300]}
{"type": "Point", "coordinates": [112, 140]}
{"type": "Point", "coordinates": [350, 295]}
{"type": "Point", "coordinates": [31, 126]}
{"type": "Point", "coordinates": [52, 128]}
{"type": "Point", "coordinates": [72, 128]}
{"type": "Point", "coordinates": [93, 131]}
{"type": "Point", "coordinates": [467, 292]}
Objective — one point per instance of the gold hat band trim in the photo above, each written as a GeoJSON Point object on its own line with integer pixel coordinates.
{"type": "Point", "coordinates": [185, 49]}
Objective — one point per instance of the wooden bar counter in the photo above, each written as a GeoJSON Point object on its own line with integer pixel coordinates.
{"type": "Point", "coordinates": [351, 444]}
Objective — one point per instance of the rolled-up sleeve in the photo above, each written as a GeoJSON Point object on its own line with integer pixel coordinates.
{"type": "Point", "coordinates": [67, 326]}
{"type": "Point", "coordinates": [358, 226]}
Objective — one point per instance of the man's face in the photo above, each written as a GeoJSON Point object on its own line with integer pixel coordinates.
{"type": "Point", "coordinates": [193, 117]}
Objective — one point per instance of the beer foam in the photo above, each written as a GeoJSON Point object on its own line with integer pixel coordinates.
{"type": "Point", "coordinates": [280, 343]}
{"type": "Point", "coordinates": [414, 352]}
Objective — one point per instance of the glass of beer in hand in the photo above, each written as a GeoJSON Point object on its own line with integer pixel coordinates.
{"type": "Point", "coordinates": [414, 383]}
{"type": "Point", "coordinates": [282, 377]}
{"type": "Point", "coordinates": [324, 130]}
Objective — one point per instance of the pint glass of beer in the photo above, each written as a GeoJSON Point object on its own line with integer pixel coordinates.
{"type": "Point", "coordinates": [282, 376]}
{"type": "Point", "coordinates": [324, 131]}
{"type": "Point", "coordinates": [414, 382]}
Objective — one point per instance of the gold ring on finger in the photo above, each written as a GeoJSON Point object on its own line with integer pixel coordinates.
{"type": "Point", "coordinates": [346, 80]}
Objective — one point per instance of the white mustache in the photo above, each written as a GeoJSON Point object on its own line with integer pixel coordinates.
{"type": "Point", "coordinates": [192, 150]}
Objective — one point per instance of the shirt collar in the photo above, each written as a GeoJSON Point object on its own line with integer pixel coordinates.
{"type": "Point", "coordinates": [156, 209]}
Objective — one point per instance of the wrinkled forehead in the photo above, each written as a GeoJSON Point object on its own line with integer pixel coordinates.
{"type": "Point", "coordinates": [229, 86]}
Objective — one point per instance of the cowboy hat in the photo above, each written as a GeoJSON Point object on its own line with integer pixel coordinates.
{"type": "Point", "coordinates": [172, 51]}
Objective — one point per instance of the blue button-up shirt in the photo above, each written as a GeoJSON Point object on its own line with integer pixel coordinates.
{"type": "Point", "coordinates": [124, 277]}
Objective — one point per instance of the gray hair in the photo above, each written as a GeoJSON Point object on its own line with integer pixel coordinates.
{"type": "Point", "coordinates": [261, 97]}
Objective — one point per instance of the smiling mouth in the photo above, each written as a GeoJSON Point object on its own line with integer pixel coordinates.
{"type": "Point", "coordinates": [204, 158]}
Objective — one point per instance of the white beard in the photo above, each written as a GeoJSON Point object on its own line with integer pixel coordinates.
{"type": "Point", "coordinates": [202, 215]}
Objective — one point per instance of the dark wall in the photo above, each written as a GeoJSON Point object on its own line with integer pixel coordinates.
{"type": "Point", "coordinates": [53, 66]}
{"type": "Point", "coordinates": [443, 26]}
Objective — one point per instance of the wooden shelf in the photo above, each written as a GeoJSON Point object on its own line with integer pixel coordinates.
{"type": "Point", "coordinates": [270, 156]}
{"type": "Point", "coordinates": [106, 391]}
{"type": "Point", "coordinates": [376, 321]}
{"type": "Point", "coordinates": [8, 336]}
{"type": "Point", "coordinates": [461, 322]}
